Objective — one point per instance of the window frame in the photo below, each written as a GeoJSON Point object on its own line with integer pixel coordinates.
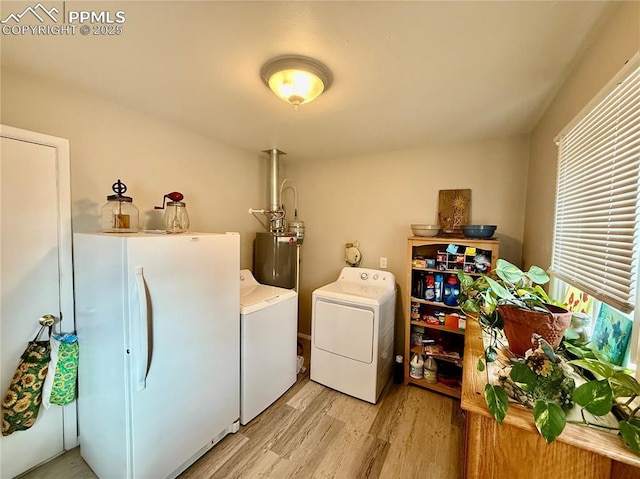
{"type": "Point", "coordinates": [558, 279]}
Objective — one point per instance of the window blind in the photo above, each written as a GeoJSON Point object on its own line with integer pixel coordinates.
{"type": "Point", "coordinates": [595, 246]}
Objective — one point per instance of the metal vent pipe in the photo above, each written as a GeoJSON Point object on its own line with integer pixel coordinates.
{"type": "Point", "coordinates": [276, 221]}
{"type": "Point", "coordinates": [274, 184]}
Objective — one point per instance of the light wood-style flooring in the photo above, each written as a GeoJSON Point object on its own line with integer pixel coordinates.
{"type": "Point", "coordinates": [316, 432]}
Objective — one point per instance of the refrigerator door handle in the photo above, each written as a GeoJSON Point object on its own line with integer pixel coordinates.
{"type": "Point", "coordinates": [143, 318]}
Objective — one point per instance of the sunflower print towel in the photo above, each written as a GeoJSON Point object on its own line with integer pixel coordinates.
{"type": "Point", "coordinates": [63, 390]}
{"type": "Point", "coordinates": [21, 403]}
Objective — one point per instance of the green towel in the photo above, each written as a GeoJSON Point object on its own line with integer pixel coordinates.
{"type": "Point", "coordinates": [63, 389]}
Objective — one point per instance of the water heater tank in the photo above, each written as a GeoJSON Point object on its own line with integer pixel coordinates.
{"type": "Point", "coordinates": [275, 259]}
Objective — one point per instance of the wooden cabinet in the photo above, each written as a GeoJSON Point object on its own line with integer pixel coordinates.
{"type": "Point", "coordinates": [428, 312]}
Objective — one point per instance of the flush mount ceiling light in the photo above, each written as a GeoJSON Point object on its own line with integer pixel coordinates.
{"type": "Point", "coordinates": [296, 79]}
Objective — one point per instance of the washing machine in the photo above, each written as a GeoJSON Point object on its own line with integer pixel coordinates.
{"type": "Point", "coordinates": [268, 344]}
{"type": "Point", "coordinates": [352, 325]}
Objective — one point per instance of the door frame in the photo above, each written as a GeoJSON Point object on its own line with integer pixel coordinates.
{"type": "Point", "coordinates": [65, 263]}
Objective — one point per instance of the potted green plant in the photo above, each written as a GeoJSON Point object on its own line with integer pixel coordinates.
{"type": "Point", "coordinates": [543, 380]}
{"type": "Point", "coordinates": [511, 299]}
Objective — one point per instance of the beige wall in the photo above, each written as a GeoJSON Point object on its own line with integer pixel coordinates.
{"type": "Point", "coordinates": [108, 142]}
{"type": "Point", "coordinates": [617, 39]}
{"type": "Point", "coordinates": [374, 199]}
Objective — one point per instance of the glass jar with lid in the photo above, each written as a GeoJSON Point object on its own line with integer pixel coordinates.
{"type": "Point", "coordinates": [119, 214]}
{"type": "Point", "coordinates": [176, 219]}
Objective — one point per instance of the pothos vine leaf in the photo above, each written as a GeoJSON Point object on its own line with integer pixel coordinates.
{"type": "Point", "coordinates": [508, 272]}
{"type": "Point", "coordinates": [595, 396]}
{"type": "Point", "coordinates": [480, 365]}
{"type": "Point", "coordinates": [630, 432]}
{"type": "Point", "coordinates": [490, 354]}
{"type": "Point", "coordinates": [537, 275]}
{"type": "Point", "coordinates": [497, 401]}
{"type": "Point", "coordinates": [576, 351]}
{"type": "Point", "coordinates": [498, 289]}
{"type": "Point", "coordinates": [595, 366]}
{"type": "Point", "coordinates": [624, 385]}
{"type": "Point", "coordinates": [550, 419]}
{"type": "Point", "coordinates": [521, 373]}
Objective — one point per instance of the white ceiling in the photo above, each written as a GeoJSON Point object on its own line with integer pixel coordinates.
{"type": "Point", "coordinates": [406, 74]}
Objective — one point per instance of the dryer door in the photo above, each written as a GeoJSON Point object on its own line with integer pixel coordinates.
{"type": "Point", "coordinates": [345, 330]}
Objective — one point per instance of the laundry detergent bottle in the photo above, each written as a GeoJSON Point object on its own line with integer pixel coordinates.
{"type": "Point", "coordinates": [416, 366]}
{"type": "Point", "coordinates": [451, 291]}
{"type": "Point", "coordinates": [431, 370]}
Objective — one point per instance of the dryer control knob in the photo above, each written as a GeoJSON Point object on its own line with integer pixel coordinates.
{"type": "Point", "coordinates": [364, 276]}
{"type": "Point", "coordinates": [375, 276]}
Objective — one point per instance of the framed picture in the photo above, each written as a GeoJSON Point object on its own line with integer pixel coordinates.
{"type": "Point", "coordinates": [453, 210]}
{"type": "Point", "coordinates": [611, 334]}
{"type": "Point", "coordinates": [577, 302]}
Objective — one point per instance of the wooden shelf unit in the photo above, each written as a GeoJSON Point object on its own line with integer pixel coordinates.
{"type": "Point", "coordinates": [429, 247]}
{"type": "Point", "coordinates": [437, 327]}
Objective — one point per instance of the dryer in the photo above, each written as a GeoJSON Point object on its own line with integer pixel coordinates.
{"type": "Point", "coordinates": [352, 323]}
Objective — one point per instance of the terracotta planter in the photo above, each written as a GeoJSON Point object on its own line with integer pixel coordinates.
{"type": "Point", "coordinates": [520, 324]}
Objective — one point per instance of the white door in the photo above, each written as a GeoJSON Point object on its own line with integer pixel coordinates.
{"type": "Point", "coordinates": [35, 277]}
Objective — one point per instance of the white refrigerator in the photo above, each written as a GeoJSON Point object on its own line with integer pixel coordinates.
{"type": "Point", "coordinates": [158, 323]}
